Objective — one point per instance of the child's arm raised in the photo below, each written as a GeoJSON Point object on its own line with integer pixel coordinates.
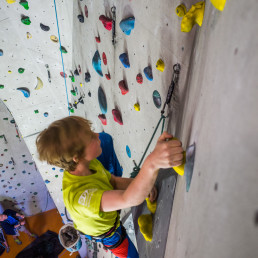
{"type": "Point", "coordinates": [165, 155]}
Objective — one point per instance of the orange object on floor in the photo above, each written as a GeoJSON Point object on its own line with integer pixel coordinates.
{"type": "Point", "coordinates": [37, 224]}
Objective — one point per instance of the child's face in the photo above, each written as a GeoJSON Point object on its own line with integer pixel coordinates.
{"type": "Point", "coordinates": [93, 149]}
{"type": "Point", "coordinates": [3, 217]}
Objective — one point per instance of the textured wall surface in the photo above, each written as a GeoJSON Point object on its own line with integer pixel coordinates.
{"type": "Point", "coordinates": [21, 183]}
{"type": "Point", "coordinates": [214, 105]}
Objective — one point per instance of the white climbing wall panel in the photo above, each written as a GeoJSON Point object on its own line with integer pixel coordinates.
{"type": "Point", "coordinates": [21, 183]}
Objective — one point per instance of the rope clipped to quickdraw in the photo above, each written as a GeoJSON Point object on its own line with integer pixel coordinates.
{"type": "Point", "coordinates": [175, 78]}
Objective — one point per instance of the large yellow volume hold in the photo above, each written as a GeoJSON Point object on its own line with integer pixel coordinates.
{"type": "Point", "coordinates": [193, 16]}
{"type": "Point", "coordinates": [152, 206]}
{"type": "Point", "coordinates": [219, 4]}
{"type": "Point", "coordinates": [145, 225]}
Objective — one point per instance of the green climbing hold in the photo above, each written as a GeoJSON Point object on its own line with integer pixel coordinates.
{"type": "Point", "coordinates": [72, 110]}
{"type": "Point", "coordinates": [21, 70]}
{"type": "Point", "coordinates": [72, 78]}
{"type": "Point", "coordinates": [56, 175]}
{"type": "Point", "coordinates": [24, 3]}
{"type": "Point", "coordinates": [19, 184]}
{"type": "Point", "coordinates": [26, 20]}
{"type": "Point", "coordinates": [36, 111]}
{"type": "Point", "coordinates": [31, 163]}
{"type": "Point", "coordinates": [1, 86]}
{"type": "Point", "coordinates": [35, 193]}
{"type": "Point", "coordinates": [64, 51]}
{"type": "Point", "coordinates": [73, 92]}
{"type": "Point", "coordinates": [5, 118]}
{"type": "Point", "coordinates": [5, 150]}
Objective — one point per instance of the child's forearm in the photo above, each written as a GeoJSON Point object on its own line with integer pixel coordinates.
{"type": "Point", "coordinates": [121, 183]}
{"type": "Point", "coordinates": [142, 185]}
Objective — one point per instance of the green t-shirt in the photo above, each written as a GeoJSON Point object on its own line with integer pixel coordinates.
{"type": "Point", "coordinates": [82, 196]}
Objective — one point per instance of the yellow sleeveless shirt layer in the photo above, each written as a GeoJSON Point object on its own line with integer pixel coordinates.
{"type": "Point", "coordinates": [82, 196]}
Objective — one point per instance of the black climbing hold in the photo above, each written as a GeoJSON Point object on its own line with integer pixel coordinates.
{"type": "Point", "coordinates": [87, 77]}
{"type": "Point", "coordinates": [89, 94]}
{"type": "Point", "coordinates": [81, 18]}
{"type": "Point", "coordinates": [156, 99]}
{"type": "Point", "coordinates": [44, 27]}
{"type": "Point", "coordinates": [76, 72]}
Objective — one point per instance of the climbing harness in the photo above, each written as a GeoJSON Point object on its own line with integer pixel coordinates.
{"type": "Point", "coordinates": [113, 10]}
{"type": "Point", "coordinates": [175, 78]}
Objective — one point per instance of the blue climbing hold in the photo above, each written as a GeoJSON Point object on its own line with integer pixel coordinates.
{"type": "Point", "coordinates": [61, 170]}
{"type": "Point", "coordinates": [128, 151]}
{"type": "Point", "coordinates": [148, 73]}
{"type": "Point", "coordinates": [46, 114]}
{"type": "Point", "coordinates": [47, 181]}
{"type": "Point", "coordinates": [102, 101]}
{"type": "Point", "coordinates": [1, 52]}
{"type": "Point", "coordinates": [25, 91]}
{"type": "Point", "coordinates": [96, 63]}
{"type": "Point", "coordinates": [127, 25]}
{"type": "Point", "coordinates": [124, 60]}
{"type": "Point", "coordinates": [53, 168]}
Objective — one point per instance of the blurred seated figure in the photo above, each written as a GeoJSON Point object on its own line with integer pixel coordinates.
{"type": "Point", "coordinates": [12, 222]}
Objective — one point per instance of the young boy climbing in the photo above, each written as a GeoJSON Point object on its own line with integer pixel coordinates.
{"type": "Point", "coordinates": [91, 194]}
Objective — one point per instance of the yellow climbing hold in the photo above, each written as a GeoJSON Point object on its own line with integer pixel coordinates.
{"type": "Point", "coordinates": [193, 16]}
{"type": "Point", "coordinates": [180, 169]}
{"type": "Point", "coordinates": [145, 225]}
{"type": "Point", "coordinates": [152, 206]}
{"type": "Point", "coordinates": [181, 10]}
{"type": "Point", "coordinates": [137, 107]}
{"type": "Point", "coordinates": [39, 84]}
{"type": "Point", "coordinates": [160, 65]}
{"type": "Point", "coordinates": [29, 35]}
{"type": "Point", "coordinates": [54, 38]}
{"type": "Point", "coordinates": [81, 84]}
{"type": "Point", "coordinates": [9, 71]}
{"type": "Point", "coordinates": [219, 4]}
{"type": "Point", "coordinates": [10, 1]}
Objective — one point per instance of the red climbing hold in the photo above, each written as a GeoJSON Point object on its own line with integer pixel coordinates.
{"type": "Point", "coordinates": [86, 11]}
{"type": "Point", "coordinates": [107, 22]}
{"type": "Point", "coordinates": [97, 39]}
{"type": "Point", "coordinates": [64, 75]}
{"type": "Point", "coordinates": [80, 70]}
{"type": "Point", "coordinates": [103, 119]}
{"type": "Point", "coordinates": [139, 78]}
{"type": "Point", "coordinates": [104, 58]}
{"type": "Point", "coordinates": [108, 76]}
{"type": "Point", "coordinates": [117, 116]}
{"type": "Point", "coordinates": [123, 87]}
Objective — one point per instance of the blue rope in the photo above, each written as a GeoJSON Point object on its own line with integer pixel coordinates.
{"type": "Point", "coordinates": [62, 57]}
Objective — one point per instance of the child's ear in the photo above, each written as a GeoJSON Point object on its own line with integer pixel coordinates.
{"type": "Point", "coordinates": [75, 159]}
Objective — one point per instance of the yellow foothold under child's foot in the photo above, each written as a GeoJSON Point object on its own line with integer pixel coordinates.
{"type": "Point", "coordinates": [152, 206]}
{"type": "Point", "coordinates": [160, 65]}
{"type": "Point", "coordinates": [145, 225]}
{"type": "Point", "coordinates": [219, 4]}
{"type": "Point", "coordinates": [181, 10]}
{"type": "Point", "coordinates": [193, 16]}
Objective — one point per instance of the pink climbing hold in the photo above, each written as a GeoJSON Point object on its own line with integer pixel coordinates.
{"type": "Point", "coordinates": [86, 11]}
{"type": "Point", "coordinates": [104, 58]}
{"type": "Point", "coordinates": [123, 87]}
{"type": "Point", "coordinates": [103, 119]}
{"type": "Point", "coordinates": [139, 78]}
{"type": "Point", "coordinates": [97, 39]}
{"type": "Point", "coordinates": [108, 76]}
{"type": "Point", "coordinates": [117, 116]}
{"type": "Point", "coordinates": [80, 70]}
{"type": "Point", "coordinates": [107, 22]}
{"type": "Point", "coordinates": [64, 75]}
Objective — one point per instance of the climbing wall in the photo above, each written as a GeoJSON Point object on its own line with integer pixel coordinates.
{"type": "Point", "coordinates": [21, 183]}
{"type": "Point", "coordinates": [32, 83]}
